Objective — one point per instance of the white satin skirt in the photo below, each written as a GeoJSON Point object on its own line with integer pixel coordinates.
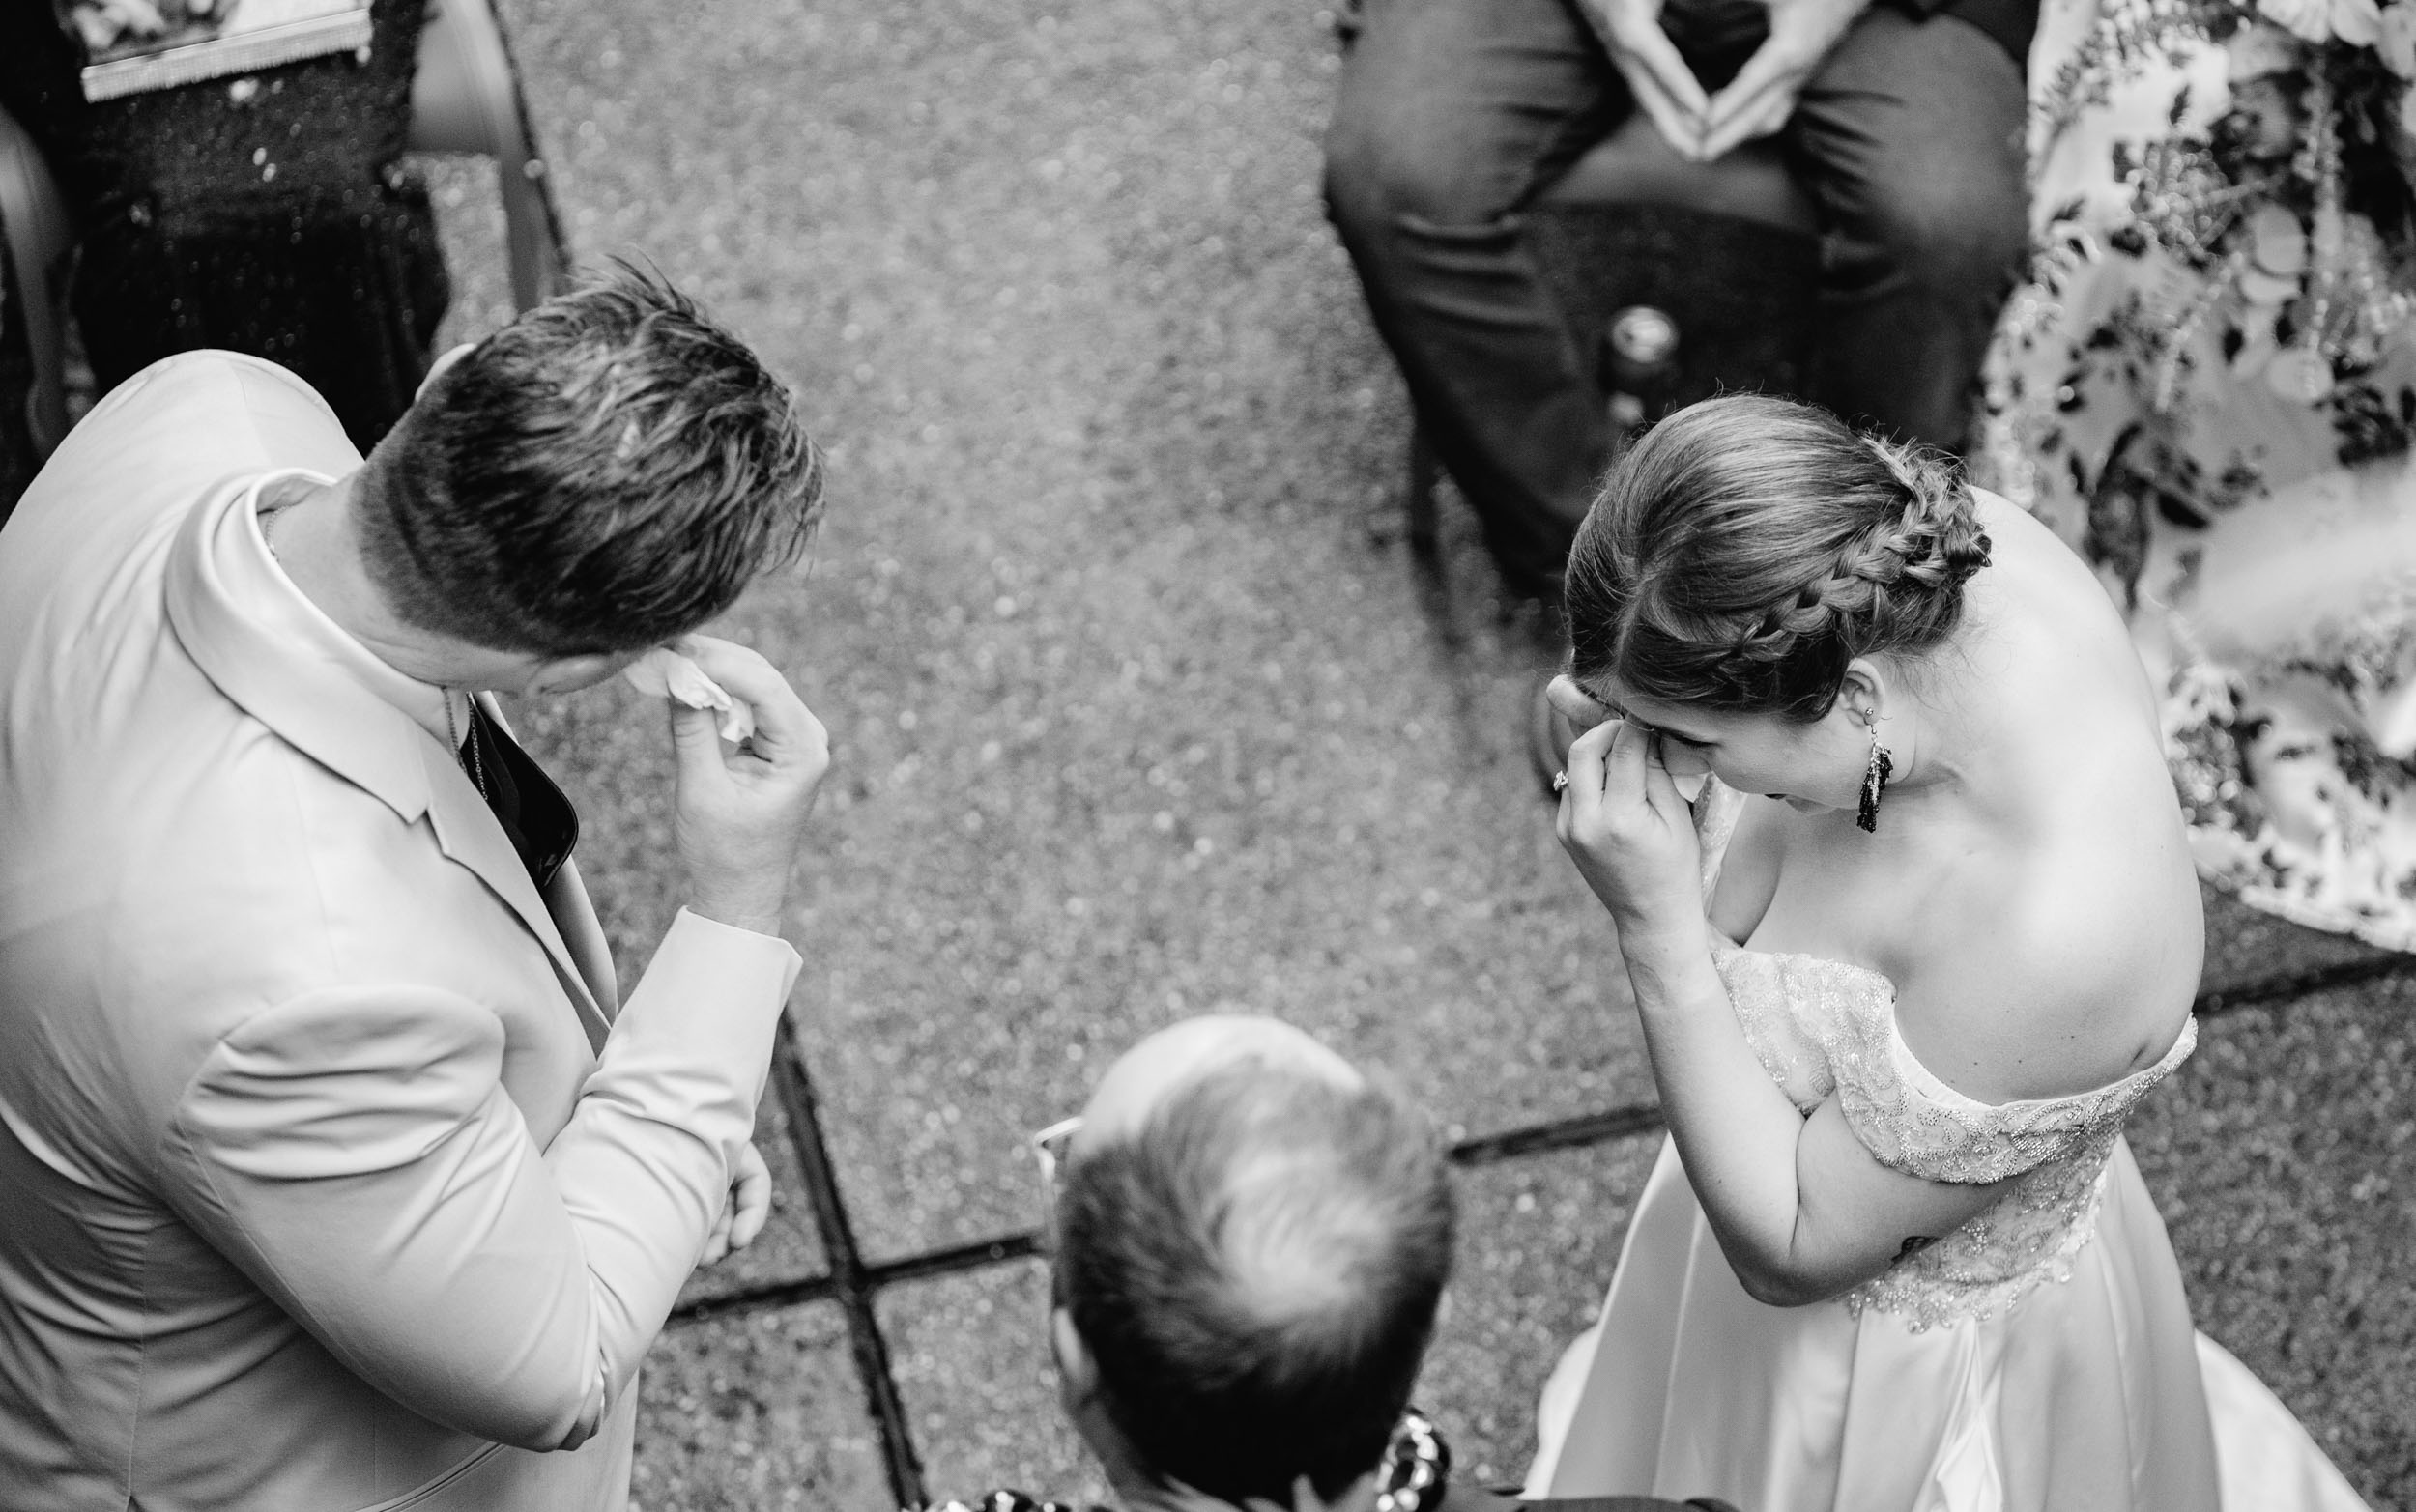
{"type": "Point", "coordinates": [2090, 1393]}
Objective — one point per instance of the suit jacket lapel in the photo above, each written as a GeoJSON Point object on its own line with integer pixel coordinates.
{"type": "Point", "coordinates": [327, 714]}
{"type": "Point", "coordinates": [466, 828]}
{"type": "Point", "coordinates": [566, 905]}
{"type": "Point", "coordinates": [573, 911]}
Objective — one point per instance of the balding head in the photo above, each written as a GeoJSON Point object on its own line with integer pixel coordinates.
{"type": "Point", "coordinates": [1252, 1238]}
{"type": "Point", "coordinates": [1144, 1076]}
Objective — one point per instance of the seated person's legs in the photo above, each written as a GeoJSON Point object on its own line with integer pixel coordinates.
{"type": "Point", "coordinates": [1911, 134]}
{"type": "Point", "coordinates": [1450, 115]}
{"type": "Point", "coordinates": [1252, 1239]}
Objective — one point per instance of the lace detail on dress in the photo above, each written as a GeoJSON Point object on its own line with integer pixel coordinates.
{"type": "Point", "coordinates": [1765, 992]}
{"type": "Point", "coordinates": [1717, 807]}
{"type": "Point", "coordinates": [2054, 1149]}
{"type": "Point", "coordinates": [1822, 1027]}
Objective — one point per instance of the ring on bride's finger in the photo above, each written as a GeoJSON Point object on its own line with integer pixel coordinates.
{"type": "Point", "coordinates": [1560, 781]}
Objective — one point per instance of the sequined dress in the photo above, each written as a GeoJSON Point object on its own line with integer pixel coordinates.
{"type": "Point", "coordinates": [270, 213]}
{"type": "Point", "coordinates": [2039, 1359]}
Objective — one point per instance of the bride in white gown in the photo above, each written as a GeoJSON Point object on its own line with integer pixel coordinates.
{"type": "Point", "coordinates": [1928, 932]}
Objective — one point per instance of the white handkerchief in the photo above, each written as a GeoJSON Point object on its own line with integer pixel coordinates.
{"type": "Point", "coordinates": [665, 673]}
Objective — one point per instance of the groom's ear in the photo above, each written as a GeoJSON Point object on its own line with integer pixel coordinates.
{"type": "Point", "coordinates": [451, 356]}
{"type": "Point", "coordinates": [570, 673]}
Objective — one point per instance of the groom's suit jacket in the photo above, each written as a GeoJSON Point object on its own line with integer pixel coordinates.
{"type": "Point", "coordinates": [331, 1174]}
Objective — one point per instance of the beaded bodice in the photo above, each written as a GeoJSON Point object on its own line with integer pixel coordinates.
{"type": "Point", "coordinates": [1826, 1028]}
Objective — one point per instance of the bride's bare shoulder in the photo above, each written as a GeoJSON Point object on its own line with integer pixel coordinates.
{"type": "Point", "coordinates": [1998, 513]}
{"type": "Point", "coordinates": [2057, 984]}
{"type": "Point", "coordinates": [2023, 547]}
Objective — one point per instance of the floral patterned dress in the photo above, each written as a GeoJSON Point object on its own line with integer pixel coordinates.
{"type": "Point", "coordinates": [2208, 388]}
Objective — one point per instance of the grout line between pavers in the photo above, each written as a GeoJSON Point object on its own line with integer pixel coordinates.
{"type": "Point", "coordinates": [1575, 1132]}
{"type": "Point", "coordinates": [2298, 984]}
{"type": "Point", "coordinates": [852, 1283]}
{"type": "Point", "coordinates": [848, 1279]}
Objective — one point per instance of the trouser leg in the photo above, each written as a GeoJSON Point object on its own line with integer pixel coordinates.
{"type": "Point", "coordinates": [1911, 136]}
{"type": "Point", "coordinates": [1450, 114]}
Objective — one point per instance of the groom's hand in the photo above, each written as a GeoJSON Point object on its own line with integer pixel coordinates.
{"type": "Point", "coordinates": [744, 1215]}
{"type": "Point", "coordinates": [740, 813]}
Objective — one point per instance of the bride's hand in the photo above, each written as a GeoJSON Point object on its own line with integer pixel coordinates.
{"type": "Point", "coordinates": [1630, 833]}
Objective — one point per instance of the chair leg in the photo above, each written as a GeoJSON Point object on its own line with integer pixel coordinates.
{"type": "Point", "coordinates": [23, 214]}
{"type": "Point", "coordinates": [532, 235]}
{"type": "Point", "coordinates": [540, 254]}
{"type": "Point", "coordinates": [1426, 475]}
{"type": "Point", "coordinates": [532, 229]}
{"type": "Point", "coordinates": [45, 399]}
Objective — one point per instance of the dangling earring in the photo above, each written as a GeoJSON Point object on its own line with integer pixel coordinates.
{"type": "Point", "coordinates": [1874, 779]}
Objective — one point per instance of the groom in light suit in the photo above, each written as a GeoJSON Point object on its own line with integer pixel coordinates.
{"type": "Point", "coordinates": [334, 1173]}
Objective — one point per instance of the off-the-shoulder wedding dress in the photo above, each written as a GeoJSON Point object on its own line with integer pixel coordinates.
{"type": "Point", "coordinates": [2040, 1358]}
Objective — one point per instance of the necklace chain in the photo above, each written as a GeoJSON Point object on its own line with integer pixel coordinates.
{"type": "Point", "coordinates": [279, 494]}
{"type": "Point", "coordinates": [468, 759]}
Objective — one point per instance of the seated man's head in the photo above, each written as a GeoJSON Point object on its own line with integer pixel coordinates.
{"type": "Point", "coordinates": [606, 473]}
{"type": "Point", "coordinates": [1252, 1239]}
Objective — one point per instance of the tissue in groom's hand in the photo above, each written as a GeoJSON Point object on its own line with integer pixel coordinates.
{"type": "Point", "coordinates": [665, 673]}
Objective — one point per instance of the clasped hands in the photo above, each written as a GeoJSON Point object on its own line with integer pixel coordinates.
{"type": "Point", "coordinates": [1755, 103]}
{"type": "Point", "coordinates": [1629, 830]}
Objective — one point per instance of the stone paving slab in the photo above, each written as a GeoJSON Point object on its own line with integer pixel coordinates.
{"type": "Point", "coordinates": [756, 1414]}
{"type": "Point", "coordinates": [971, 1357]}
{"type": "Point", "coordinates": [2244, 946]}
{"type": "Point", "coordinates": [1130, 718]}
{"type": "Point", "coordinates": [2283, 1156]}
{"type": "Point", "coordinates": [790, 1248]}
{"type": "Point", "coordinates": [1540, 1238]}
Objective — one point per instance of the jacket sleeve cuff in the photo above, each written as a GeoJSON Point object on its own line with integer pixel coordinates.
{"type": "Point", "coordinates": [756, 950]}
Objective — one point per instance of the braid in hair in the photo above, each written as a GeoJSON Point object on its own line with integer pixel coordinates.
{"type": "Point", "coordinates": [1939, 542]}
{"type": "Point", "coordinates": [1748, 549]}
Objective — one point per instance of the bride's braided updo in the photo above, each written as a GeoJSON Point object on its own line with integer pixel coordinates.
{"type": "Point", "coordinates": [1746, 549]}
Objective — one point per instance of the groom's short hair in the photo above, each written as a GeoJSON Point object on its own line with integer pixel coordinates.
{"type": "Point", "coordinates": [1255, 1273]}
{"type": "Point", "coordinates": [607, 471]}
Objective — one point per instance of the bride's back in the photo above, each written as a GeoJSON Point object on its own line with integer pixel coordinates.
{"type": "Point", "coordinates": [2040, 918]}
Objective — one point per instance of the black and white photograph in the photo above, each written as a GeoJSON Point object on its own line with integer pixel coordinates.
{"type": "Point", "coordinates": [1259, 756]}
